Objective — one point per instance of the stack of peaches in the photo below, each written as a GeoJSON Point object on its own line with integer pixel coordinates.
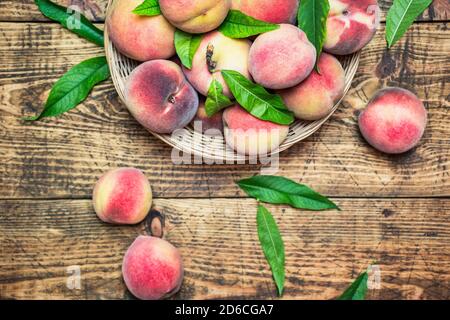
{"type": "Point", "coordinates": [164, 95]}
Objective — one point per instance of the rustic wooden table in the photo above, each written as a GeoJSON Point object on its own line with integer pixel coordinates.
{"type": "Point", "coordinates": [396, 209]}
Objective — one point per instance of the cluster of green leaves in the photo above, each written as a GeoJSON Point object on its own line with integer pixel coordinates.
{"type": "Point", "coordinates": [279, 190]}
{"type": "Point", "coordinates": [78, 82]}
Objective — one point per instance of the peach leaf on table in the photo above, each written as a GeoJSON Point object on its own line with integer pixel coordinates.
{"type": "Point", "coordinates": [84, 28]}
{"type": "Point", "coordinates": [74, 87]}
{"type": "Point", "coordinates": [272, 245]}
{"type": "Point", "coordinates": [401, 16]}
{"type": "Point", "coordinates": [357, 290]}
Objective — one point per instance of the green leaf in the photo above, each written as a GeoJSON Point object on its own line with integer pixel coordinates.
{"type": "Point", "coordinates": [148, 8]}
{"type": "Point", "coordinates": [74, 87]}
{"type": "Point", "coordinates": [256, 100]}
{"type": "Point", "coordinates": [72, 20]}
{"type": "Point", "coordinates": [272, 245]}
{"type": "Point", "coordinates": [239, 25]}
{"type": "Point", "coordinates": [400, 17]}
{"type": "Point", "coordinates": [216, 100]}
{"type": "Point", "coordinates": [312, 19]}
{"type": "Point", "coordinates": [186, 46]}
{"type": "Point", "coordinates": [357, 290]}
{"type": "Point", "coordinates": [280, 190]}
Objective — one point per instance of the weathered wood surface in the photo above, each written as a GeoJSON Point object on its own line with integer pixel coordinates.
{"type": "Point", "coordinates": [62, 158]}
{"type": "Point", "coordinates": [25, 10]}
{"type": "Point", "coordinates": [397, 210]}
{"type": "Point", "coordinates": [408, 238]}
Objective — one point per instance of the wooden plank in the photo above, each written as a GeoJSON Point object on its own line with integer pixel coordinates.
{"type": "Point", "coordinates": [26, 10]}
{"type": "Point", "coordinates": [60, 158]}
{"type": "Point", "coordinates": [409, 239]}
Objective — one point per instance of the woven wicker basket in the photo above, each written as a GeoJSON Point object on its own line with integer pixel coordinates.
{"type": "Point", "coordinates": [214, 147]}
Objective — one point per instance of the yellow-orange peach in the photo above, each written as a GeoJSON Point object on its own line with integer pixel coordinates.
{"type": "Point", "coordinates": [215, 53]}
{"type": "Point", "coordinates": [315, 97]}
{"type": "Point", "coordinates": [139, 37]}
{"type": "Point", "coordinates": [195, 16]}
{"type": "Point", "coordinates": [122, 196]}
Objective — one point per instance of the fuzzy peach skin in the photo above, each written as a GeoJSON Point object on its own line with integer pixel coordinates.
{"type": "Point", "coordinates": [394, 121]}
{"type": "Point", "coordinates": [281, 58]}
{"type": "Point", "coordinates": [251, 136]}
{"type": "Point", "coordinates": [152, 268]}
{"type": "Point", "coordinates": [195, 16]}
{"type": "Point", "coordinates": [226, 54]}
{"type": "Point", "coordinates": [208, 125]}
{"type": "Point", "coordinates": [122, 196]}
{"type": "Point", "coordinates": [314, 98]}
{"type": "Point", "coordinates": [274, 11]}
{"type": "Point", "coordinates": [159, 97]}
{"type": "Point", "coordinates": [350, 25]}
{"type": "Point", "coordinates": [138, 37]}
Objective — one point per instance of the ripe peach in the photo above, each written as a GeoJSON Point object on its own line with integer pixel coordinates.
{"type": "Point", "coordinates": [152, 268]}
{"type": "Point", "coordinates": [281, 58]}
{"type": "Point", "coordinates": [249, 135]}
{"type": "Point", "coordinates": [394, 120]}
{"type": "Point", "coordinates": [274, 11]}
{"type": "Point", "coordinates": [195, 16]}
{"type": "Point", "coordinates": [350, 25]}
{"type": "Point", "coordinates": [138, 37]}
{"type": "Point", "coordinates": [122, 196]}
{"type": "Point", "coordinates": [208, 125]}
{"type": "Point", "coordinates": [314, 98]}
{"type": "Point", "coordinates": [159, 97]}
{"type": "Point", "coordinates": [215, 53]}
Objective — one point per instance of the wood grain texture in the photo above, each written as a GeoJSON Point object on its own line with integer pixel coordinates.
{"type": "Point", "coordinates": [62, 158]}
{"type": "Point", "coordinates": [325, 251]}
{"type": "Point", "coordinates": [26, 10]}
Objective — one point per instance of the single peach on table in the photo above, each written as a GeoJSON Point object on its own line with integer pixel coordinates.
{"type": "Point", "coordinates": [215, 53]}
{"type": "Point", "coordinates": [274, 11]}
{"type": "Point", "coordinates": [249, 135]}
{"type": "Point", "coordinates": [159, 97]}
{"type": "Point", "coordinates": [122, 196]}
{"type": "Point", "coordinates": [195, 16]}
{"type": "Point", "coordinates": [314, 98]}
{"type": "Point", "coordinates": [281, 58]}
{"type": "Point", "coordinates": [350, 25]}
{"type": "Point", "coordinates": [139, 37]}
{"type": "Point", "coordinates": [152, 268]}
{"type": "Point", "coordinates": [394, 121]}
{"type": "Point", "coordinates": [202, 123]}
